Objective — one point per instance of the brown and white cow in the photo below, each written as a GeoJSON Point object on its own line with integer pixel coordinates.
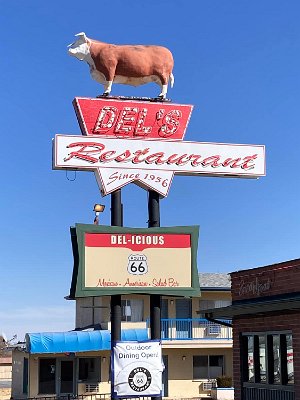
{"type": "Point", "coordinates": [129, 64]}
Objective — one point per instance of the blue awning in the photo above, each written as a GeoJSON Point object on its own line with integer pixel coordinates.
{"type": "Point", "coordinates": [77, 341]}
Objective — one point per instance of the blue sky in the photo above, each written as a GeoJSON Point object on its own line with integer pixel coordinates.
{"type": "Point", "coordinates": [237, 62]}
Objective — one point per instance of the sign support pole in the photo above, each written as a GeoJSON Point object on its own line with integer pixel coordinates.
{"type": "Point", "coordinates": [115, 302]}
{"type": "Point", "coordinates": [155, 299]}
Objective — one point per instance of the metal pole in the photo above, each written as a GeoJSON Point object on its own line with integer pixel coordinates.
{"type": "Point", "coordinates": [155, 299]}
{"type": "Point", "coordinates": [116, 209]}
{"type": "Point", "coordinates": [115, 302]}
{"type": "Point", "coordinates": [153, 209]}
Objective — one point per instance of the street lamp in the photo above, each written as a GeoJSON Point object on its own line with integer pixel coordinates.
{"type": "Point", "coordinates": [98, 208]}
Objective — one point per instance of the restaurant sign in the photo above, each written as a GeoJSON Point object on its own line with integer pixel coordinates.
{"type": "Point", "coordinates": [153, 163]}
{"type": "Point", "coordinates": [116, 260]}
{"type": "Point", "coordinates": [132, 119]}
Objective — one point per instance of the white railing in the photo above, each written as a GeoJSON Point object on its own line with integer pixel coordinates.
{"type": "Point", "coordinates": [194, 328]}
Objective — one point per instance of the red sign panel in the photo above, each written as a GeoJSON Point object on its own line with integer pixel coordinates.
{"type": "Point", "coordinates": [132, 119]}
{"type": "Point", "coordinates": [138, 242]}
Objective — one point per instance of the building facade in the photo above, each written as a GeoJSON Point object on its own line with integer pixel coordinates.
{"type": "Point", "coordinates": [195, 351]}
{"type": "Point", "coordinates": [266, 331]}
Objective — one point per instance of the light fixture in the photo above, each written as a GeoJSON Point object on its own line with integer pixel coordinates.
{"type": "Point", "coordinates": [183, 358]}
{"type": "Point", "coordinates": [98, 208]}
{"type": "Point", "coordinates": [104, 359]}
{"type": "Point", "coordinates": [172, 302]}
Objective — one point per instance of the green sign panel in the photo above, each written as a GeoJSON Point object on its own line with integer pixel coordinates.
{"type": "Point", "coordinates": [117, 260]}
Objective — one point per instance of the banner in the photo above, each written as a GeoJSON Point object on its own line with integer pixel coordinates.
{"type": "Point", "coordinates": [137, 369]}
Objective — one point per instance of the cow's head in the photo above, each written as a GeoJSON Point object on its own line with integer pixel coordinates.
{"type": "Point", "coordinates": [80, 48]}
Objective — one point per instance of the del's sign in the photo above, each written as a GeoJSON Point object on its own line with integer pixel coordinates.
{"type": "Point", "coordinates": [142, 142]}
{"type": "Point", "coordinates": [132, 119]}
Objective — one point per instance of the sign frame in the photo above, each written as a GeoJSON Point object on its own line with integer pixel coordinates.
{"type": "Point", "coordinates": [78, 288]}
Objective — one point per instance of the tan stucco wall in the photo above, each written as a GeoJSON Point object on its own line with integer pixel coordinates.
{"type": "Point", "coordinates": [33, 376]}
{"type": "Point", "coordinates": [180, 373]}
{"type": "Point", "coordinates": [17, 373]}
{"type": "Point", "coordinates": [5, 372]}
{"type": "Point", "coordinates": [34, 364]}
{"type": "Point", "coordinates": [5, 394]}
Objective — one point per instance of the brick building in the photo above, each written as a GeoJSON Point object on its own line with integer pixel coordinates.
{"type": "Point", "coordinates": [265, 315]}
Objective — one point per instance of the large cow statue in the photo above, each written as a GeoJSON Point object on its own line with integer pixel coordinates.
{"type": "Point", "coordinates": [129, 64]}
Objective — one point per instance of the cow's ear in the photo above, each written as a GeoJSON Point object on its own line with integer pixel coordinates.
{"type": "Point", "coordinates": [82, 35]}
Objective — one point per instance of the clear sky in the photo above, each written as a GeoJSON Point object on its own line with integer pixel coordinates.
{"type": "Point", "coordinates": [236, 61]}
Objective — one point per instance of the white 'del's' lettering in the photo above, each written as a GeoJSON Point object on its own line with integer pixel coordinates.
{"type": "Point", "coordinates": [255, 287]}
{"type": "Point", "coordinates": [133, 120]}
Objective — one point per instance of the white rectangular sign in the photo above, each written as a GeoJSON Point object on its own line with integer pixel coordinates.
{"type": "Point", "coordinates": [186, 158]}
{"type": "Point", "coordinates": [137, 368]}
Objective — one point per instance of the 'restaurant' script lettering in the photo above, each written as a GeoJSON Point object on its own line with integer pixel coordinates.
{"type": "Point", "coordinates": [95, 152]}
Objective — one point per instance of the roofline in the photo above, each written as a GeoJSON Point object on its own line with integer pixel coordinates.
{"type": "Point", "coordinates": [215, 289]}
{"type": "Point", "coordinates": [295, 261]}
{"type": "Point", "coordinates": [257, 308]}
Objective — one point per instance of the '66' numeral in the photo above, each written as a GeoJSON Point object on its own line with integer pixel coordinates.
{"type": "Point", "coordinates": [137, 269]}
{"type": "Point", "coordinates": [137, 264]}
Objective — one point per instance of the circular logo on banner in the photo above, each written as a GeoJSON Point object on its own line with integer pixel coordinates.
{"type": "Point", "coordinates": [139, 379]}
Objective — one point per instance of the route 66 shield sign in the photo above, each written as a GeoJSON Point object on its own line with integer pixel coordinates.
{"type": "Point", "coordinates": [137, 264]}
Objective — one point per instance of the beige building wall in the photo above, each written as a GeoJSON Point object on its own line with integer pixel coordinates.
{"type": "Point", "coordinates": [180, 372]}
{"type": "Point", "coordinates": [5, 372]}
{"type": "Point", "coordinates": [17, 374]}
{"type": "Point", "coordinates": [104, 385]}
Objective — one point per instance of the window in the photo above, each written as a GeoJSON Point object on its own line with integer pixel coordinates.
{"type": "Point", "coordinates": [276, 359]}
{"type": "Point", "coordinates": [267, 358]}
{"type": "Point", "coordinates": [209, 304]}
{"type": "Point", "coordinates": [89, 369]}
{"type": "Point", "coordinates": [289, 359]}
{"type": "Point", "coordinates": [47, 374]}
{"type": "Point", "coordinates": [250, 360]}
{"type": "Point", "coordinates": [262, 358]}
{"type": "Point", "coordinates": [25, 375]}
{"type": "Point", "coordinates": [208, 367]}
{"type": "Point", "coordinates": [132, 310]}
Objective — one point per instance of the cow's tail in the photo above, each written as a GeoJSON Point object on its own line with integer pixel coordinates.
{"type": "Point", "coordinates": [172, 79]}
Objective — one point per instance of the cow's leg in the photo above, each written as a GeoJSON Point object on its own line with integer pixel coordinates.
{"type": "Point", "coordinates": [107, 87]}
{"type": "Point", "coordinates": [164, 86]}
{"type": "Point", "coordinates": [109, 74]}
{"type": "Point", "coordinates": [164, 89]}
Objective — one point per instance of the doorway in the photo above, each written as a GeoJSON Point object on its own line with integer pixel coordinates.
{"type": "Point", "coordinates": [165, 378]}
{"type": "Point", "coordinates": [66, 377]}
{"type": "Point", "coordinates": [164, 317]}
{"type": "Point", "coordinates": [183, 318]}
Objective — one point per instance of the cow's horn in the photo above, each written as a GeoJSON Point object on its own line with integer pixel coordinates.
{"type": "Point", "coordinates": [81, 34]}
